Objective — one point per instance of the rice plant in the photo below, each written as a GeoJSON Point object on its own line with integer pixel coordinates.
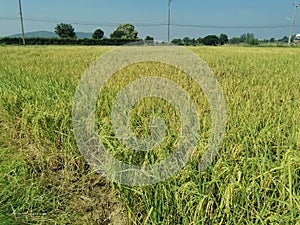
{"type": "Point", "coordinates": [255, 179]}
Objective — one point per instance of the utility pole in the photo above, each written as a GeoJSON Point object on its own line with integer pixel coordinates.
{"type": "Point", "coordinates": [169, 19]}
{"type": "Point", "coordinates": [22, 23]}
{"type": "Point", "coordinates": [293, 22]}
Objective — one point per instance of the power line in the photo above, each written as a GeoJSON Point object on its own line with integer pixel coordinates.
{"type": "Point", "coordinates": [232, 27]}
{"type": "Point", "coordinates": [9, 18]}
{"type": "Point", "coordinates": [83, 23]}
{"type": "Point", "coordinates": [153, 24]}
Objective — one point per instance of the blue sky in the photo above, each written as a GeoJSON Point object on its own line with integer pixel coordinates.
{"type": "Point", "coordinates": [233, 17]}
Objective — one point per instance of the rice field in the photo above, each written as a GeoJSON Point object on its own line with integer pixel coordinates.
{"type": "Point", "coordinates": [255, 179]}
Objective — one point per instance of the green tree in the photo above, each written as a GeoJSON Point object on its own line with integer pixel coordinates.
{"type": "Point", "coordinates": [199, 41]}
{"type": "Point", "coordinates": [246, 38]}
{"type": "Point", "coordinates": [235, 40]}
{"type": "Point", "coordinates": [223, 39]}
{"type": "Point", "coordinates": [193, 42]}
{"type": "Point", "coordinates": [64, 30]}
{"type": "Point", "coordinates": [243, 38]}
{"type": "Point", "coordinates": [98, 34]}
{"type": "Point", "coordinates": [249, 38]}
{"type": "Point", "coordinates": [118, 34]}
{"type": "Point", "coordinates": [149, 40]}
{"type": "Point", "coordinates": [125, 31]}
{"type": "Point", "coordinates": [212, 40]}
{"type": "Point", "coordinates": [186, 41]}
{"type": "Point", "coordinates": [177, 41]}
{"type": "Point", "coordinates": [253, 41]}
{"type": "Point", "coordinates": [285, 39]}
{"type": "Point", "coordinates": [272, 40]}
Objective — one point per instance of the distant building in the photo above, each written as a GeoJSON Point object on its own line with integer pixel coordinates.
{"type": "Point", "coordinates": [297, 39]}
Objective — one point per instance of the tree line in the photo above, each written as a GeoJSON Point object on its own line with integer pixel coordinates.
{"type": "Point", "coordinates": [123, 31]}
{"type": "Point", "coordinates": [214, 40]}
{"type": "Point", "coordinates": [65, 41]}
{"type": "Point", "coordinates": [126, 33]}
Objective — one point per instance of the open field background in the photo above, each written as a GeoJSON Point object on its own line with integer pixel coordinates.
{"type": "Point", "coordinates": [255, 180]}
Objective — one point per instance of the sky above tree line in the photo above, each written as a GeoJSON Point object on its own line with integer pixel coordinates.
{"type": "Point", "coordinates": [192, 18]}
